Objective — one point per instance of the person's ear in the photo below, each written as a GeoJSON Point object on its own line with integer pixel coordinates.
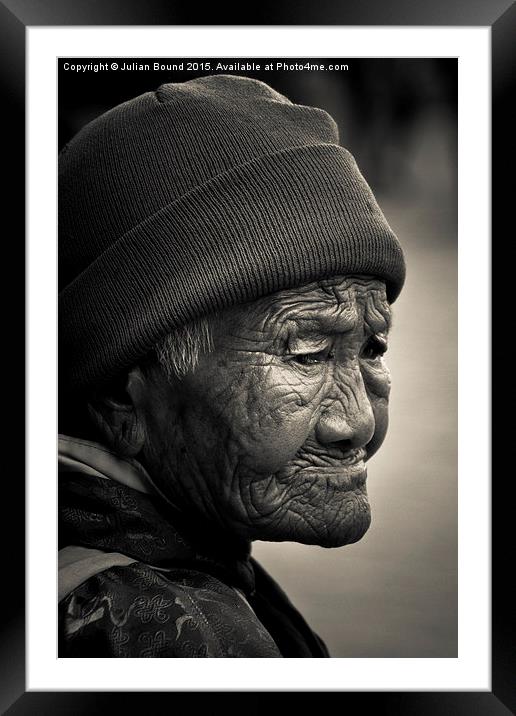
{"type": "Point", "coordinates": [116, 415]}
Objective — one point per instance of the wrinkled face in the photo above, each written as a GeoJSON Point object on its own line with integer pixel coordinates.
{"type": "Point", "coordinates": [268, 438]}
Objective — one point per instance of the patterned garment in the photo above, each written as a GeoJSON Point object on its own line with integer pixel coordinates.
{"type": "Point", "coordinates": [195, 597]}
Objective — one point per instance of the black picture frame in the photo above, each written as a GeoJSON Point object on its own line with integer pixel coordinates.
{"type": "Point", "coordinates": [15, 17]}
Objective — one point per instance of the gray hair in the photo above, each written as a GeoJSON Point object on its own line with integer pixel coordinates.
{"type": "Point", "coordinates": [179, 351]}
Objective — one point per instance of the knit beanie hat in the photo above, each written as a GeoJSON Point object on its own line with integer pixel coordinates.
{"type": "Point", "coordinates": [195, 197]}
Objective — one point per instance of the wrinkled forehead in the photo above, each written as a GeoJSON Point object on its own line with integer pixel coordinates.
{"type": "Point", "coordinates": [331, 305]}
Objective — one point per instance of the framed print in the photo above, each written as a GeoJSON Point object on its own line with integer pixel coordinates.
{"type": "Point", "coordinates": [405, 612]}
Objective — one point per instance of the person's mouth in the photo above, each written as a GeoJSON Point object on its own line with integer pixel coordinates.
{"type": "Point", "coordinates": [346, 470]}
{"type": "Point", "coordinates": [354, 472]}
{"type": "Point", "coordinates": [357, 455]}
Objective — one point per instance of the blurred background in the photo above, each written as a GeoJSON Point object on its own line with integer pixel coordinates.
{"type": "Point", "coordinates": [394, 593]}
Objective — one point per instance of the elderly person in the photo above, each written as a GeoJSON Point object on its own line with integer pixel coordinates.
{"type": "Point", "coordinates": [226, 278]}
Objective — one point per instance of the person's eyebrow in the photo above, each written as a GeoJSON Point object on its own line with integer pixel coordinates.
{"type": "Point", "coordinates": [326, 322]}
{"type": "Point", "coordinates": [310, 321]}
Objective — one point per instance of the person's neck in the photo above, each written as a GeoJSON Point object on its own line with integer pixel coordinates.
{"type": "Point", "coordinates": [205, 534]}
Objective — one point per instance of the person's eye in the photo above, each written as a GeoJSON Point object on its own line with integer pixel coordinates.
{"type": "Point", "coordinates": [374, 348]}
{"type": "Point", "coordinates": [314, 358]}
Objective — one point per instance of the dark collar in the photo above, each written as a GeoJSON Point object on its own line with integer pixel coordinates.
{"type": "Point", "coordinates": [104, 514]}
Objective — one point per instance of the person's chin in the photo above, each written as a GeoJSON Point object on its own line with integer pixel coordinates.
{"type": "Point", "coordinates": [344, 514]}
{"type": "Point", "coordinates": [325, 524]}
{"type": "Point", "coordinates": [351, 529]}
{"type": "Point", "coordinates": [346, 525]}
{"type": "Point", "coordinates": [332, 512]}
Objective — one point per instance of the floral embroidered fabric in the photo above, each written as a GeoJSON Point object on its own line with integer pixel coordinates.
{"type": "Point", "coordinates": [193, 596]}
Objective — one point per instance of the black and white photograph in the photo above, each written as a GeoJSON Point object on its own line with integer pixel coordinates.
{"type": "Point", "coordinates": [257, 357]}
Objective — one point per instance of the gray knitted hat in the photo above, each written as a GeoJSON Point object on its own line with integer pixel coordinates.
{"type": "Point", "coordinates": [195, 197]}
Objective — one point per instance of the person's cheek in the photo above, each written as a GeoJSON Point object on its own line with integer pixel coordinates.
{"type": "Point", "coordinates": [381, 417]}
{"type": "Point", "coordinates": [377, 381]}
{"type": "Point", "coordinates": [274, 419]}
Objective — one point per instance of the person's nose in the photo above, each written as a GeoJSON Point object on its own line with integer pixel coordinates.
{"type": "Point", "coordinates": [348, 422]}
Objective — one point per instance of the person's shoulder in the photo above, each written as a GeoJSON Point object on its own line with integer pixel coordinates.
{"type": "Point", "coordinates": [138, 611]}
